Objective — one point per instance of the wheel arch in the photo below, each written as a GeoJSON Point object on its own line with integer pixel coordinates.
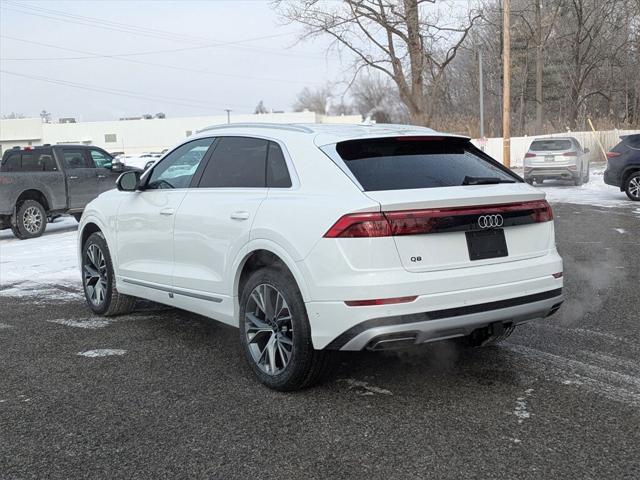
{"type": "Point", "coordinates": [630, 170]}
{"type": "Point", "coordinates": [89, 225]}
{"type": "Point", "coordinates": [33, 194]}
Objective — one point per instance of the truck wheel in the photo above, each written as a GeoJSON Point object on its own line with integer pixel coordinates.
{"type": "Point", "coordinates": [30, 220]}
{"type": "Point", "coordinates": [275, 333]}
{"type": "Point", "coordinates": [99, 280]}
{"type": "Point", "coordinates": [632, 187]}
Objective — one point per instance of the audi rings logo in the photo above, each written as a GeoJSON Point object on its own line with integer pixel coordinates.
{"type": "Point", "coordinates": [490, 221]}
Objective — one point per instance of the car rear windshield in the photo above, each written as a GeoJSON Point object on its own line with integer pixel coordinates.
{"type": "Point", "coordinates": [551, 145]}
{"type": "Point", "coordinates": [628, 141]}
{"type": "Point", "coordinates": [417, 162]}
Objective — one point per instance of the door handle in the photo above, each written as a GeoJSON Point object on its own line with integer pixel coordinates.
{"type": "Point", "coordinates": [167, 211]}
{"type": "Point", "coordinates": [240, 215]}
{"type": "Point", "coordinates": [73, 177]}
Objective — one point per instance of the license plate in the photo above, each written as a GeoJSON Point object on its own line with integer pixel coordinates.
{"type": "Point", "coordinates": [486, 244]}
{"type": "Point", "coordinates": [549, 158]}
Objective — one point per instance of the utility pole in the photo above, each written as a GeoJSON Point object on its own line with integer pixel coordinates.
{"type": "Point", "coordinates": [506, 84]}
{"type": "Point", "coordinates": [228, 110]}
{"type": "Point", "coordinates": [481, 88]}
{"type": "Point", "coordinates": [539, 67]}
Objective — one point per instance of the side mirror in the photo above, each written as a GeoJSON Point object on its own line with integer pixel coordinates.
{"type": "Point", "coordinates": [116, 166]}
{"type": "Point", "coordinates": [128, 181]}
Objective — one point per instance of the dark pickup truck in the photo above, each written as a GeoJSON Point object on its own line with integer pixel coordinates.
{"type": "Point", "coordinates": [40, 183]}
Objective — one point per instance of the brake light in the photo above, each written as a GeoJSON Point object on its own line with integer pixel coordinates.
{"type": "Point", "coordinates": [570, 154]}
{"type": "Point", "coordinates": [360, 225]}
{"type": "Point", "coordinates": [613, 154]}
{"type": "Point", "coordinates": [557, 275]}
{"type": "Point", "coordinates": [419, 222]}
{"type": "Point", "coordinates": [380, 301]}
{"type": "Point", "coordinates": [529, 155]}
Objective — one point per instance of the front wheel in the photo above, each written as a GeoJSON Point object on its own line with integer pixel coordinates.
{"type": "Point", "coordinates": [98, 279]}
{"type": "Point", "coordinates": [275, 333]}
{"type": "Point", "coordinates": [30, 220]}
{"type": "Point", "coordinates": [632, 187]}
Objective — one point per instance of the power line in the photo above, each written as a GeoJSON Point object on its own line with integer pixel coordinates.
{"type": "Point", "coordinates": [160, 65]}
{"type": "Point", "coordinates": [135, 30]}
{"type": "Point", "coordinates": [186, 102]}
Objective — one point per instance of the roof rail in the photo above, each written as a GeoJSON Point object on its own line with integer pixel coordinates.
{"type": "Point", "coordinates": [278, 126]}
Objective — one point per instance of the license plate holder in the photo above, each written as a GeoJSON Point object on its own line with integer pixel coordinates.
{"type": "Point", "coordinates": [549, 158]}
{"type": "Point", "coordinates": [483, 244]}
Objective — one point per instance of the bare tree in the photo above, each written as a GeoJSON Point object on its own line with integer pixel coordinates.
{"type": "Point", "coordinates": [376, 98]}
{"type": "Point", "coordinates": [316, 100]}
{"type": "Point", "coordinates": [411, 41]}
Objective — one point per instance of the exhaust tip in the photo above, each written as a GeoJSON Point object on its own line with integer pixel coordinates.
{"type": "Point", "coordinates": [392, 341]}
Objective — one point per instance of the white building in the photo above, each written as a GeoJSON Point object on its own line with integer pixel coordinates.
{"type": "Point", "coordinates": [136, 136]}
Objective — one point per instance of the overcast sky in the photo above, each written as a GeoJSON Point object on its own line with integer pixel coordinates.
{"type": "Point", "coordinates": [202, 78]}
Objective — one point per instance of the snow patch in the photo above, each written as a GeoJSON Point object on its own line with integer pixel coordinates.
{"type": "Point", "coordinates": [104, 352]}
{"type": "Point", "coordinates": [4, 326]}
{"type": "Point", "coordinates": [522, 407]}
{"type": "Point", "coordinates": [90, 323]}
{"type": "Point", "coordinates": [620, 230]}
{"type": "Point", "coordinates": [364, 388]}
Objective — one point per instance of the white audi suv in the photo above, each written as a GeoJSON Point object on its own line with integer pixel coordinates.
{"type": "Point", "coordinates": [318, 238]}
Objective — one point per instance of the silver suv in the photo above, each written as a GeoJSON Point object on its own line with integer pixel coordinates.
{"type": "Point", "coordinates": [556, 158]}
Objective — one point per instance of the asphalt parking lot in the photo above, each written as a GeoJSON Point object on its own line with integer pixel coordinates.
{"type": "Point", "coordinates": [560, 399]}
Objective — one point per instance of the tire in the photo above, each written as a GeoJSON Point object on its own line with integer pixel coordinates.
{"type": "Point", "coordinates": [632, 187]}
{"type": "Point", "coordinates": [484, 338]}
{"type": "Point", "coordinates": [97, 270]}
{"type": "Point", "coordinates": [587, 175]}
{"type": "Point", "coordinates": [279, 349]}
{"type": "Point", "coordinates": [578, 180]}
{"type": "Point", "coordinates": [30, 220]}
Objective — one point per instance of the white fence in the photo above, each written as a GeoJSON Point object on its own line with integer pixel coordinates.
{"type": "Point", "coordinates": [520, 145]}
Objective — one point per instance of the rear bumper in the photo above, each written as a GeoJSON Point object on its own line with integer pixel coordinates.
{"type": "Point", "coordinates": [561, 173]}
{"type": "Point", "coordinates": [431, 317]}
{"type": "Point", "coordinates": [611, 178]}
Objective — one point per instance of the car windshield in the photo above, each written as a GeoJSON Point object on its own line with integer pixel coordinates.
{"type": "Point", "coordinates": [550, 145]}
{"type": "Point", "coordinates": [418, 162]}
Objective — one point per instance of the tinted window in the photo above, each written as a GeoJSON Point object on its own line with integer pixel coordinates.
{"type": "Point", "coordinates": [237, 162]}
{"type": "Point", "coordinates": [633, 141]}
{"type": "Point", "coordinates": [100, 159]}
{"type": "Point", "coordinates": [38, 161]}
{"type": "Point", "coordinates": [398, 164]}
{"type": "Point", "coordinates": [177, 169]}
{"type": "Point", "coordinates": [11, 162]}
{"type": "Point", "coordinates": [277, 173]}
{"type": "Point", "coordinates": [74, 159]}
{"type": "Point", "coordinates": [550, 145]}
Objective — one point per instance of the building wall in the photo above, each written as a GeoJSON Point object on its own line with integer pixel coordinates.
{"type": "Point", "coordinates": [136, 136]}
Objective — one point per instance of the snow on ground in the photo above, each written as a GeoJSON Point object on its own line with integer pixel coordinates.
{"type": "Point", "coordinates": [596, 192]}
{"type": "Point", "coordinates": [103, 352]}
{"type": "Point", "coordinates": [44, 266]}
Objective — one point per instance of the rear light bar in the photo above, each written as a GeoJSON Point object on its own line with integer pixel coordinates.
{"type": "Point", "coordinates": [570, 154]}
{"type": "Point", "coordinates": [529, 155]}
{"type": "Point", "coordinates": [613, 154]}
{"type": "Point", "coordinates": [419, 222]}
{"type": "Point", "coordinates": [380, 301]}
{"type": "Point", "coordinates": [557, 275]}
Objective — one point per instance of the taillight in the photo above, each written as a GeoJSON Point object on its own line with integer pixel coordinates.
{"type": "Point", "coordinates": [529, 155]}
{"type": "Point", "coordinates": [570, 154]}
{"type": "Point", "coordinates": [380, 301]}
{"type": "Point", "coordinates": [360, 225]}
{"type": "Point", "coordinates": [420, 222]}
{"type": "Point", "coordinates": [613, 154]}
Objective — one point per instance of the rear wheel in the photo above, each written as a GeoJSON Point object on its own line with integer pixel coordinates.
{"type": "Point", "coordinates": [587, 174]}
{"type": "Point", "coordinates": [632, 186]}
{"type": "Point", "coordinates": [275, 333]}
{"type": "Point", "coordinates": [98, 279]}
{"type": "Point", "coordinates": [577, 181]}
{"type": "Point", "coordinates": [30, 220]}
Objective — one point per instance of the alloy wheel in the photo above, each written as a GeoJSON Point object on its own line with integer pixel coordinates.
{"type": "Point", "coordinates": [269, 329]}
{"type": "Point", "coordinates": [634, 187]}
{"type": "Point", "coordinates": [94, 269]}
{"type": "Point", "coordinates": [32, 220]}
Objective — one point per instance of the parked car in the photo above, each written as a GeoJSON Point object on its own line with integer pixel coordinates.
{"type": "Point", "coordinates": [558, 159]}
{"type": "Point", "coordinates": [623, 166]}
{"type": "Point", "coordinates": [313, 239]}
{"type": "Point", "coordinates": [39, 183]}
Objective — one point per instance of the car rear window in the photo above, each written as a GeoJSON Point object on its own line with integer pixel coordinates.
{"type": "Point", "coordinates": [551, 145]}
{"type": "Point", "coordinates": [408, 162]}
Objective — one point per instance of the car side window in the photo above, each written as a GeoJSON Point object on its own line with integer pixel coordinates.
{"type": "Point", "coordinates": [74, 158]}
{"type": "Point", "coordinates": [238, 162]}
{"type": "Point", "coordinates": [177, 169]}
{"type": "Point", "coordinates": [100, 159]}
{"type": "Point", "coordinates": [11, 162]}
{"type": "Point", "coordinates": [277, 172]}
